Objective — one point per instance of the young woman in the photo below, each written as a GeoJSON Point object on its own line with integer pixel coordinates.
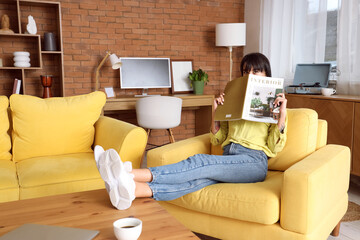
{"type": "Point", "coordinates": [247, 146]}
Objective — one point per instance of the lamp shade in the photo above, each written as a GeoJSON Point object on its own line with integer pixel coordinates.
{"type": "Point", "coordinates": [115, 61]}
{"type": "Point", "coordinates": [230, 34]}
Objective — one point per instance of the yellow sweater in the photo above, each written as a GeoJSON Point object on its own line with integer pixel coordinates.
{"type": "Point", "coordinates": [253, 135]}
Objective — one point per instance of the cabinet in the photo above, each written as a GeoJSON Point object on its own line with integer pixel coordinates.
{"type": "Point", "coordinates": [356, 148]}
{"type": "Point", "coordinates": [342, 112]}
{"type": "Point", "coordinates": [47, 16]}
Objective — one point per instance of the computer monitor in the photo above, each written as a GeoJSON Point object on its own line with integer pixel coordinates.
{"type": "Point", "coordinates": [144, 73]}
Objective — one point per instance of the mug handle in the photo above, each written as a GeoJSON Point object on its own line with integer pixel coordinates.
{"type": "Point", "coordinates": [334, 91]}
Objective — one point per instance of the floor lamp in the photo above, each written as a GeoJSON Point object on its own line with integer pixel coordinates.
{"type": "Point", "coordinates": [115, 63]}
{"type": "Point", "coordinates": [230, 35]}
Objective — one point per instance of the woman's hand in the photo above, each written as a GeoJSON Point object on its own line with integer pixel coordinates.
{"type": "Point", "coordinates": [281, 101]}
{"type": "Point", "coordinates": [215, 126]}
{"type": "Point", "coordinates": [219, 101]}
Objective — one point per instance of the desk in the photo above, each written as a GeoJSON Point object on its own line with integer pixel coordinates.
{"type": "Point", "coordinates": [202, 104]}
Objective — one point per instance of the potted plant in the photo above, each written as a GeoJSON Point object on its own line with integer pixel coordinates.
{"type": "Point", "coordinates": [198, 79]}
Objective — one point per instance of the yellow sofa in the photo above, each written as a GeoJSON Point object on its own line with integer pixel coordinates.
{"type": "Point", "coordinates": [304, 195]}
{"type": "Point", "coordinates": [46, 144]}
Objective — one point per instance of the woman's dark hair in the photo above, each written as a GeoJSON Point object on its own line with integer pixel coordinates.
{"type": "Point", "coordinates": [257, 62]}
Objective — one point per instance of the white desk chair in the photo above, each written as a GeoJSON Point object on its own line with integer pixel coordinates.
{"type": "Point", "coordinates": [159, 112]}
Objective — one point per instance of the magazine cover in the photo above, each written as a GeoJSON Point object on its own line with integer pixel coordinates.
{"type": "Point", "coordinates": [233, 100]}
{"type": "Point", "coordinates": [251, 98]}
{"type": "Point", "coordinates": [259, 99]}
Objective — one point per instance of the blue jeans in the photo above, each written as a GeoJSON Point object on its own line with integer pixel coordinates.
{"type": "Point", "coordinates": [238, 164]}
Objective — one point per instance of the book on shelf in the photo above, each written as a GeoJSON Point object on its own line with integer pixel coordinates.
{"type": "Point", "coordinates": [17, 86]}
{"type": "Point", "coordinates": [251, 98]}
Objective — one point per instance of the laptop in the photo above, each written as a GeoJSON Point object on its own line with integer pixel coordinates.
{"type": "Point", "coordinates": [46, 232]}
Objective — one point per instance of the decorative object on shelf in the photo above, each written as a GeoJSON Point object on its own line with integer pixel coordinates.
{"type": "Point", "coordinates": [46, 81]}
{"type": "Point", "coordinates": [1, 62]}
{"type": "Point", "coordinates": [198, 79]}
{"type": "Point", "coordinates": [17, 86]}
{"type": "Point", "coordinates": [180, 76]}
{"type": "Point", "coordinates": [5, 25]}
{"type": "Point", "coordinates": [46, 14]}
{"type": "Point", "coordinates": [49, 42]}
{"type": "Point", "coordinates": [230, 35]}
{"type": "Point", "coordinates": [115, 63]}
{"type": "Point", "coordinates": [22, 59]}
{"type": "Point", "coordinates": [31, 26]}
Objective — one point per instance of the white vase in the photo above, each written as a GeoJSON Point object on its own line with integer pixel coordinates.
{"type": "Point", "coordinates": [21, 59]}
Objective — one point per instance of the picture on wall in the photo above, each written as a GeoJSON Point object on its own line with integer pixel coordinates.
{"type": "Point", "coordinates": [180, 76]}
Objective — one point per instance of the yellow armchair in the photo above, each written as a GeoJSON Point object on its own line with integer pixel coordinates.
{"type": "Point", "coordinates": [303, 197]}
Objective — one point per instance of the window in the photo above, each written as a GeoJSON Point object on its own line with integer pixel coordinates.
{"type": "Point", "coordinates": [331, 31]}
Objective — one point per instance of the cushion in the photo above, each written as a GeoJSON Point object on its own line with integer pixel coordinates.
{"type": "Point", "coordinates": [8, 175]}
{"type": "Point", "coordinates": [301, 138]}
{"type": "Point", "coordinates": [47, 170]}
{"type": "Point", "coordinates": [5, 142]}
{"type": "Point", "coordinates": [322, 134]}
{"type": "Point", "coordinates": [9, 188]}
{"type": "Point", "coordinates": [52, 175]}
{"type": "Point", "coordinates": [54, 126]}
{"type": "Point", "coordinates": [252, 202]}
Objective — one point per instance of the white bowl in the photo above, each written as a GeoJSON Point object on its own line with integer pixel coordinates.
{"type": "Point", "coordinates": [27, 54]}
{"type": "Point", "coordinates": [21, 59]}
{"type": "Point", "coordinates": [22, 64]}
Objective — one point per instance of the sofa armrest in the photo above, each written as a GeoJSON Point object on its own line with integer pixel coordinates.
{"type": "Point", "coordinates": [175, 152]}
{"type": "Point", "coordinates": [127, 139]}
{"type": "Point", "coordinates": [314, 188]}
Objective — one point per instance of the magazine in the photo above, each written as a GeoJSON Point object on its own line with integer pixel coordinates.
{"type": "Point", "coordinates": [251, 98]}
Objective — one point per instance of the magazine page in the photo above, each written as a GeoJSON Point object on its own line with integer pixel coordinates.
{"type": "Point", "coordinates": [259, 98]}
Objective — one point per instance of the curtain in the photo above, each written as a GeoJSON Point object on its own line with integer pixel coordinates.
{"type": "Point", "coordinates": [348, 48]}
{"type": "Point", "coordinates": [291, 32]}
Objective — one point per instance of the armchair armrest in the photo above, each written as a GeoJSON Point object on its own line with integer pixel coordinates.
{"type": "Point", "coordinates": [127, 139]}
{"type": "Point", "coordinates": [315, 189]}
{"type": "Point", "coordinates": [175, 152]}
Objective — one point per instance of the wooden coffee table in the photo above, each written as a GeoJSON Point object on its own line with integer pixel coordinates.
{"type": "Point", "coordinates": [91, 210]}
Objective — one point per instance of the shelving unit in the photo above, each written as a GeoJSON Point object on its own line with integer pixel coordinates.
{"type": "Point", "coordinates": [47, 16]}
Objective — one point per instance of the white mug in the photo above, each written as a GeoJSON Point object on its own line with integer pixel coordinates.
{"type": "Point", "coordinates": [328, 91]}
{"type": "Point", "coordinates": [127, 228]}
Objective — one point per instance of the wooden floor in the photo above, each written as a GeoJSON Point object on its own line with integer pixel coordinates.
{"type": "Point", "coordinates": [350, 230]}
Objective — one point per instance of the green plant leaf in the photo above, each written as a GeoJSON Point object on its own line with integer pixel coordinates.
{"type": "Point", "coordinates": [198, 75]}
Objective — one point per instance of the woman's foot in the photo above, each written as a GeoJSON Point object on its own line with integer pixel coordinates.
{"type": "Point", "coordinates": [116, 174]}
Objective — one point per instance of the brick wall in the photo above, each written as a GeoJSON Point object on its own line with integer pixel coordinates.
{"type": "Point", "coordinates": [178, 29]}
